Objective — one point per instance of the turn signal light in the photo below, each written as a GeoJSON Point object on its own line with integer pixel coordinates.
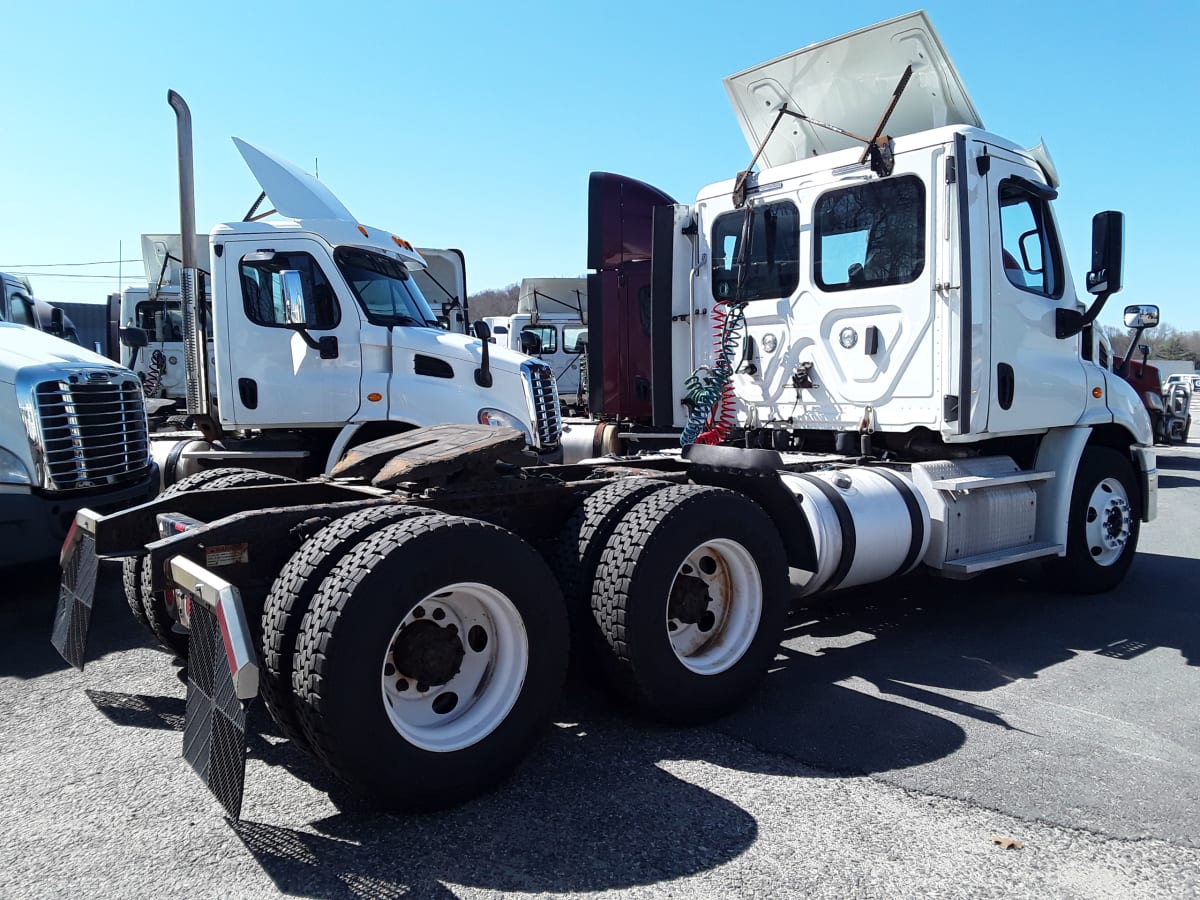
{"type": "Point", "coordinates": [374, 397]}
{"type": "Point", "coordinates": [1097, 393]}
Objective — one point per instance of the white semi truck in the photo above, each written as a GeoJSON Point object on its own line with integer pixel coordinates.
{"type": "Point", "coordinates": [149, 317]}
{"type": "Point", "coordinates": [320, 337]}
{"type": "Point", "coordinates": [874, 357]}
{"type": "Point", "coordinates": [551, 324]}
{"type": "Point", "coordinates": [72, 435]}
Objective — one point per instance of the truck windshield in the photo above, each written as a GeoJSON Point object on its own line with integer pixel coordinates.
{"type": "Point", "coordinates": [384, 287]}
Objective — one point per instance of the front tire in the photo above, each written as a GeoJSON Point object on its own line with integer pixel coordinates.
{"type": "Point", "coordinates": [1103, 525]}
{"type": "Point", "coordinates": [691, 594]}
{"type": "Point", "coordinates": [431, 660]}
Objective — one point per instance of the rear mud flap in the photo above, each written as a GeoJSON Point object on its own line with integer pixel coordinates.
{"type": "Point", "coordinates": [214, 731]}
{"type": "Point", "coordinates": [76, 594]}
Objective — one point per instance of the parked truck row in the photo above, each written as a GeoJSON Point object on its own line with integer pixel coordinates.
{"type": "Point", "coordinates": [861, 355]}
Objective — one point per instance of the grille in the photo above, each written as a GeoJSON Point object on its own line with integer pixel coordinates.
{"type": "Point", "coordinates": [93, 431]}
{"type": "Point", "coordinates": [547, 418]}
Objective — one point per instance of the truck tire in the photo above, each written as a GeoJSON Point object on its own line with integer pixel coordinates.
{"type": "Point", "coordinates": [1102, 526]}
{"type": "Point", "coordinates": [155, 604]}
{"type": "Point", "coordinates": [131, 566]}
{"type": "Point", "coordinates": [292, 594]}
{"type": "Point", "coordinates": [692, 596]}
{"type": "Point", "coordinates": [401, 707]}
{"type": "Point", "coordinates": [577, 551]}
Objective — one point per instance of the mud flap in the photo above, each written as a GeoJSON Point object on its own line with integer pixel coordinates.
{"type": "Point", "coordinates": [214, 731]}
{"type": "Point", "coordinates": [76, 594]}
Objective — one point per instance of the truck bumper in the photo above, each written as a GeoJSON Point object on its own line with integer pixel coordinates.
{"type": "Point", "coordinates": [1147, 465]}
{"type": "Point", "coordinates": [34, 526]}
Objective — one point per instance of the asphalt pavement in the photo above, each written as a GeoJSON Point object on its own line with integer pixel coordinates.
{"type": "Point", "coordinates": [903, 730]}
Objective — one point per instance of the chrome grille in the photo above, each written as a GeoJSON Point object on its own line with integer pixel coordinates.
{"type": "Point", "coordinates": [543, 392]}
{"type": "Point", "coordinates": [92, 429]}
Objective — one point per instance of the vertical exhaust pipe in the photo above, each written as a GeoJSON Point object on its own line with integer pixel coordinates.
{"type": "Point", "coordinates": [195, 344]}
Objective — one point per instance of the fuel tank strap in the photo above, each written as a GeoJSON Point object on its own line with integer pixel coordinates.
{"type": "Point", "coordinates": [914, 516]}
{"type": "Point", "coordinates": [845, 522]}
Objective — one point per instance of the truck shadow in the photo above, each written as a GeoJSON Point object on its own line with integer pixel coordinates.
{"type": "Point", "coordinates": [27, 617]}
{"type": "Point", "coordinates": [590, 810]}
{"type": "Point", "coordinates": [857, 685]}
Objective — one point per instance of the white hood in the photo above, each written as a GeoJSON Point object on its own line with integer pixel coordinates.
{"type": "Point", "coordinates": [21, 346]}
{"type": "Point", "coordinates": [293, 192]}
{"type": "Point", "coordinates": [848, 82]}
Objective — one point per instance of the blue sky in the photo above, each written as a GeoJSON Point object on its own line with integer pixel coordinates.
{"type": "Point", "coordinates": [476, 125]}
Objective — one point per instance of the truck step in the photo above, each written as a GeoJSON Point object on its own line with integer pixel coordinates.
{"type": "Point", "coordinates": [970, 565]}
{"type": "Point", "coordinates": [967, 483]}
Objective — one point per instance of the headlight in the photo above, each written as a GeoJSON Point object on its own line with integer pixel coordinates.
{"type": "Point", "coordinates": [489, 416]}
{"type": "Point", "coordinates": [12, 470]}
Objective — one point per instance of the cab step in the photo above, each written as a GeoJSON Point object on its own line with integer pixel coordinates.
{"type": "Point", "coordinates": [970, 565]}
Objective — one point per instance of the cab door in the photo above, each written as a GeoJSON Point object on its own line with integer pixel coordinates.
{"type": "Point", "coordinates": [291, 343]}
{"type": "Point", "coordinates": [1037, 380]}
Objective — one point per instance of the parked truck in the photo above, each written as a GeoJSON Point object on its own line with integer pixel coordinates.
{"type": "Point", "coordinates": [551, 324]}
{"type": "Point", "coordinates": [856, 380]}
{"type": "Point", "coordinates": [147, 319]}
{"type": "Point", "coordinates": [19, 305]}
{"type": "Point", "coordinates": [72, 435]}
{"type": "Point", "coordinates": [320, 336]}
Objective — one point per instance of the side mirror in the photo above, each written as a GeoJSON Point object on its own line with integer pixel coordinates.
{"type": "Point", "coordinates": [293, 297]}
{"type": "Point", "coordinates": [1108, 248]}
{"type": "Point", "coordinates": [531, 344]}
{"type": "Point", "coordinates": [1141, 316]}
{"type": "Point", "coordinates": [482, 331]}
{"type": "Point", "coordinates": [443, 323]}
{"type": "Point", "coordinates": [1145, 350]}
{"type": "Point", "coordinates": [56, 322]}
{"type": "Point", "coordinates": [132, 336]}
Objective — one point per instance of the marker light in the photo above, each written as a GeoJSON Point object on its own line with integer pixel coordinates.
{"type": "Point", "coordinates": [374, 397]}
{"type": "Point", "coordinates": [401, 242]}
{"type": "Point", "coordinates": [1097, 393]}
{"type": "Point", "coordinates": [363, 231]}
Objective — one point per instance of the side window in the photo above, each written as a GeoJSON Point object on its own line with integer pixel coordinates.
{"type": "Point", "coordinates": [756, 253]}
{"type": "Point", "coordinates": [287, 289]}
{"type": "Point", "coordinates": [539, 339]}
{"type": "Point", "coordinates": [571, 338]}
{"type": "Point", "coordinates": [870, 235]}
{"type": "Point", "coordinates": [21, 310]}
{"type": "Point", "coordinates": [1029, 253]}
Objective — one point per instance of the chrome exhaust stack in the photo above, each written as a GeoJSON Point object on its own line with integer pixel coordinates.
{"type": "Point", "coordinates": [195, 349]}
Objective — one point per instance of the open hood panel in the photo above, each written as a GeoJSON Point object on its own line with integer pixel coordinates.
{"type": "Point", "coordinates": [162, 255]}
{"type": "Point", "coordinates": [292, 191]}
{"type": "Point", "coordinates": [848, 82]}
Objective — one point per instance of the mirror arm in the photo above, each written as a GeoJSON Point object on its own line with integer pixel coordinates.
{"type": "Point", "coordinates": [1069, 322]}
{"type": "Point", "coordinates": [1137, 336]}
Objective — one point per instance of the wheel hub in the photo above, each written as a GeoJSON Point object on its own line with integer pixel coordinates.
{"type": "Point", "coordinates": [428, 653]}
{"type": "Point", "coordinates": [689, 600]}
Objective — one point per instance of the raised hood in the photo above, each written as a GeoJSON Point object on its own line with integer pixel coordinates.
{"type": "Point", "coordinates": [162, 255]}
{"type": "Point", "coordinates": [293, 192]}
{"type": "Point", "coordinates": [848, 82]}
{"type": "Point", "coordinates": [553, 297]}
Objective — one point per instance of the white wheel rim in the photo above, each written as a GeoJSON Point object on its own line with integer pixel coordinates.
{"type": "Point", "coordinates": [1107, 522]}
{"type": "Point", "coordinates": [473, 700]}
{"type": "Point", "coordinates": [710, 637]}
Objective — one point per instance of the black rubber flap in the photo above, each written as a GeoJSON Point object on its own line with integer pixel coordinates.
{"type": "Point", "coordinates": [76, 593]}
{"type": "Point", "coordinates": [214, 729]}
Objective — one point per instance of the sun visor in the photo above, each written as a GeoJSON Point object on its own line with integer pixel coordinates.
{"type": "Point", "coordinates": [848, 82]}
{"type": "Point", "coordinates": [292, 191]}
{"type": "Point", "coordinates": [162, 256]}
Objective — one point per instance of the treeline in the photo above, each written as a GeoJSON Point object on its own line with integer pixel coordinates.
{"type": "Point", "coordinates": [494, 302]}
{"type": "Point", "coordinates": [1166, 342]}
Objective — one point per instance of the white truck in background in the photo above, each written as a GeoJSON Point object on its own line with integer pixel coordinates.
{"type": "Point", "coordinates": [72, 435]}
{"type": "Point", "coordinates": [551, 324]}
{"type": "Point", "coordinates": [153, 313]}
{"type": "Point", "coordinates": [873, 357]}
{"type": "Point", "coordinates": [321, 338]}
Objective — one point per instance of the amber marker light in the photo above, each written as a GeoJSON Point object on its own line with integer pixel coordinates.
{"type": "Point", "coordinates": [363, 231]}
{"type": "Point", "coordinates": [374, 398]}
{"type": "Point", "coordinates": [1097, 393]}
{"type": "Point", "coordinates": [401, 242]}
